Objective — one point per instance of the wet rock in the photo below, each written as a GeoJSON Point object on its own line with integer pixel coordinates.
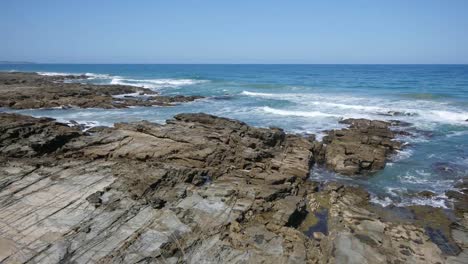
{"type": "Point", "coordinates": [399, 123]}
{"type": "Point", "coordinates": [448, 169]}
{"type": "Point", "coordinates": [398, 113]}
{"type": "Point", "coordinates": [95, 198]}
{"type": "Point", "coordinates": [460, 201]}
{"type": "Point", "coordinates": [361, 148]}
{"type": "Point", "coordinates": [358, 233]}
{"type": "Point", "coordinates": [448, 247]}
{"type": "Point", "coordinates": [22, 136]}
{"type": "Point", "coordinates": [157, 203]}
{"type": "Point", "coordinates": [199, 189]}
{"type": "Point", "coordinates": [147, 186]}
{"type": "Point", "coordinates": [31, 90]}
{"type": "Point", "coordinates": [426, 194]}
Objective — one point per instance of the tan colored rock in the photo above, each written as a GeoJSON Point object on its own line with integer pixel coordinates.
{"type": "Point", "coordinates": [200, 189]}
{"type": "Point", "coordinates": [363, 147]}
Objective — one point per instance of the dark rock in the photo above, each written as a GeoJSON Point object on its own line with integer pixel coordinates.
{"type": "Point", "coordinates": [22, 136]}
{"type": "Point", "coordinates": [399, 123]}
{"type": "Point", "coordinates": [31, 90]}
{"type": "Point", "coordinates": [448, 247]}
{"type": "Point", "coordinates": [398, 113]}
{"type": "Point", "coordinates": [157, 203]}
{"type": "Point", "coordinates": [95, 198]}
{"type": "Point", "coordinates": [199, 180]}
{"type": "Point", "coordinates": [448, 169]}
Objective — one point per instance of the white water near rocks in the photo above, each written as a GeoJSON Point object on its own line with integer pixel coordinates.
{"type": "Point", "coordinates": [312, 99]}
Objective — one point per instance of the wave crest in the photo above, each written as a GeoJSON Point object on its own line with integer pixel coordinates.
{"type": "Point", "coordinates": [296, 113]}
{"type": "Point", "coordinates": [156, 83]}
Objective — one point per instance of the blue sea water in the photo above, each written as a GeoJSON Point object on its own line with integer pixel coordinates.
{"type": "Point", "coordinates": [311, 99]}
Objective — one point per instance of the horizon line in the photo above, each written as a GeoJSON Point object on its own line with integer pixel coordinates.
{"type": "Point", "coordinates": [182, 63]}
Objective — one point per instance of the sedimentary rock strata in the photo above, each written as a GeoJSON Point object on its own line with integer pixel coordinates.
{"type": "Point", "coordinates": [362, 147]}
{"type": "Point", "coordinates": [199, 189]}
{"type": "Point", "coordinates": [30, 90]}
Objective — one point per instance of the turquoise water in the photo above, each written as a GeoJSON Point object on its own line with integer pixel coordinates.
{"type": "Point", "coordinates": [311, 99]}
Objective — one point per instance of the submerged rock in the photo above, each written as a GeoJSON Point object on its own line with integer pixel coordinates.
{"type": "Point", "coordinates": [397, 113]}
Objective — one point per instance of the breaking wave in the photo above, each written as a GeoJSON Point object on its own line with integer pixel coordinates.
{"type": "Point", "coordinates": [156, 83]}
{"type": "Point", "coordinates": [296, 113]}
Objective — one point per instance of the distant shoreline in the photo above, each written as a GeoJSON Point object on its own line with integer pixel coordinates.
{"type": "Point", "coordinates": [272, 64]}
{"type": "Point", "coordinates": [17, 62]}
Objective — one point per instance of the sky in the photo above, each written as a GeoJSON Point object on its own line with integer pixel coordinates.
{"type": "Point", "coordinates": [216, 31]}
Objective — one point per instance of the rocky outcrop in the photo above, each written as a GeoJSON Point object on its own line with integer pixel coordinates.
{"type": "Point", "coordinates": [360, 232]}
{"type": "Point", "coordinates": [30, 90]}
{"type": "Point", "coordinates": [199, 189]}
{"type": "Point", "coordinates": [24, 136]}
{"type": "Point", "coordinates": [362, 147]}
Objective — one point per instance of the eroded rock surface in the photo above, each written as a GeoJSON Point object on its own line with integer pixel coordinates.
{"type": "Point", "coordinates": [360, 232]}
{"type": "Point", "coordinates": [200, 189]}
{"type": "Point", "coordinates": [31, 90]}
{"type": "Point", "coordinates": [362, 147]}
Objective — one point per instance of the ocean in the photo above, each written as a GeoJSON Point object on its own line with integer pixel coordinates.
{"type": "Point", "coordinates": [308, 99]}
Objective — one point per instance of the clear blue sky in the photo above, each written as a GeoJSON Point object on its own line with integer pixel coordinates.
{"type": "Point", "coordinates": [217, 31]}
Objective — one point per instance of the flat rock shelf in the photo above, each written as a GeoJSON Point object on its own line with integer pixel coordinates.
{"type": "Point", "coordinates": [19, 90]}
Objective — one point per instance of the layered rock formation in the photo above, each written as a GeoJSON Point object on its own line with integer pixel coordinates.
{"type": "Point", "coordinates": [200, 189]}
{"type": "Point", "coordinates": [362, 147]}
{"type": "Point", "coordinates": [30, 90]}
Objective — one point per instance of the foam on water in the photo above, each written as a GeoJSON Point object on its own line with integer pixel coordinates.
{"type": "Point", "coordinates": [310, 99]}
{"type": "Point", "coordinates": [55, 73]}
{"type": "Point", "coordinates": [319, 105]}
{"type": "Point", "coordinates": [296, 113]}
{"type": "Point", "coordinates": [145, 83]}
{"type": "Point", "coordinates": [156, 83]}
{"type": "Point", "coordinates": [402, 155]}
{"type": "Point", "coordinates": [87, 74]}
{"type": "Point", "coordinates": [439, 201]}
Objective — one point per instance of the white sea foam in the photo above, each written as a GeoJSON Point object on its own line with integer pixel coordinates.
{"type": "Point", "coordinates": [296, 113]}
{"type": "Point", "coordinates": [97, 75]}
{"type": "Point", "coordinates": [350, 106]}
{"type": "Point", "coordinates": [156, 83]}
{"type": "Point", "coordinates": [402, 155]}
{"type": "Point", "coordinates": [87, 74]}
{"type": "Point", "coordinates": [55, 73]}
{"type": "Point", "coordinates": [86, 125]}
{"type": "Point", "coordinates": [425, 116]}
{"type": "Point", "coordinates": [435, 201]}
{"type": "Point", "coordinates": [386, 201]}
{"type": "Point", "coordinates": [258, 94]}
{"type": "Point", "coordinates": [457, 134]}
{"type": "Point", "coordinates": [445, 116]}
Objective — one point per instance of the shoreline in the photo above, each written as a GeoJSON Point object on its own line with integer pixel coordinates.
{"type": "Point", "coordinates": [202, 188]}
{"type": "Point", "coordinates": [20, 90]}
{"type": "Point", "coordinates": [214, 185]}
